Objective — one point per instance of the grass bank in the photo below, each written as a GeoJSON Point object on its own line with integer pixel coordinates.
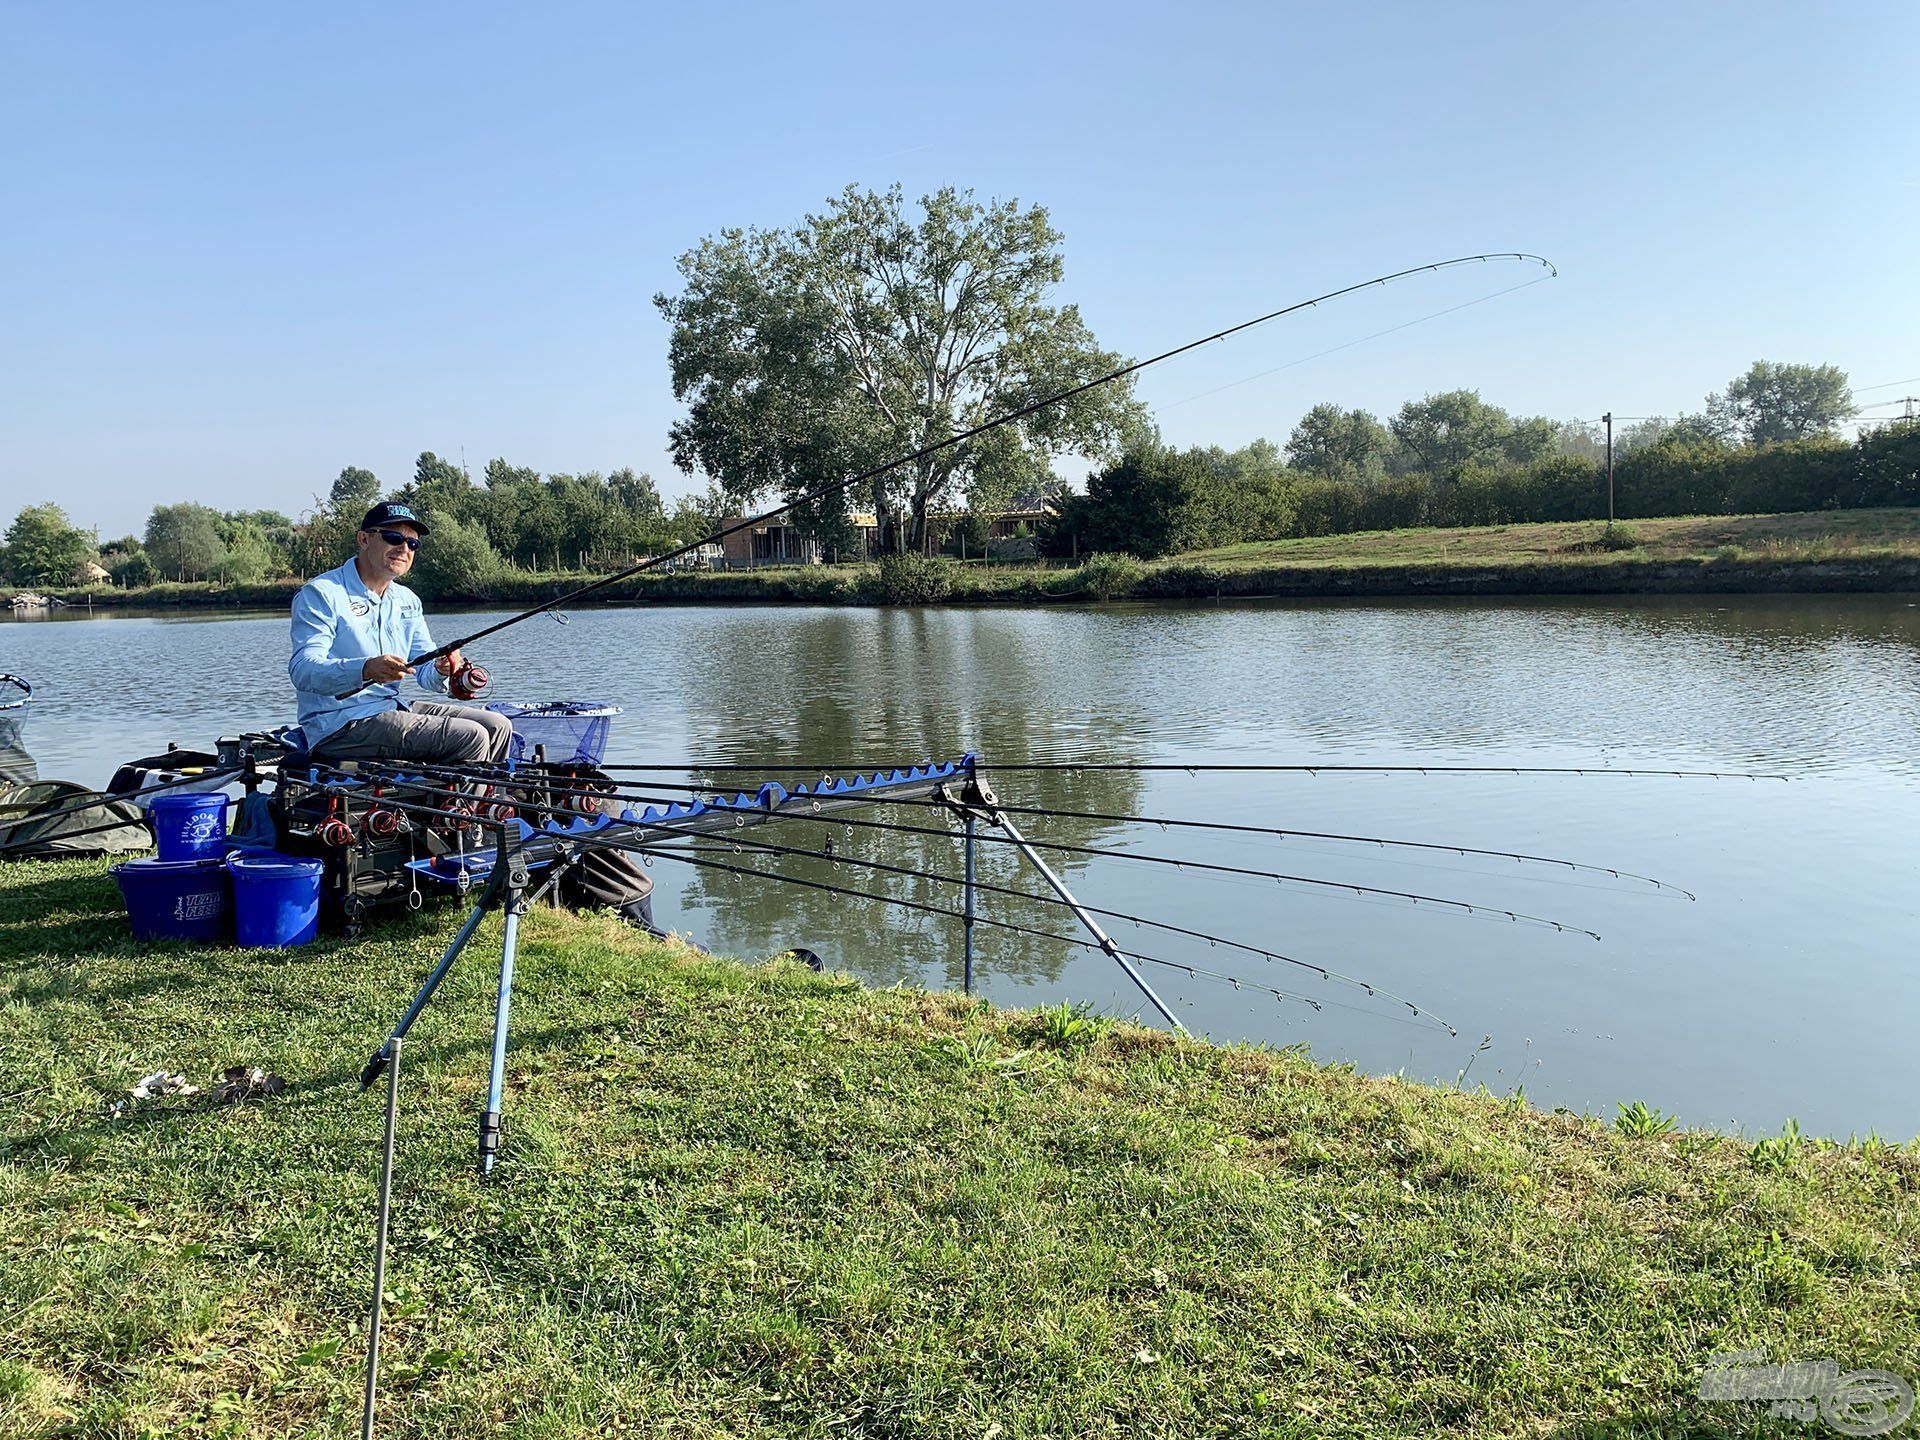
{"type": "Point", "coordinates": [752, 1200]}
{"type": "Point", "coordinates": [1851, 551]}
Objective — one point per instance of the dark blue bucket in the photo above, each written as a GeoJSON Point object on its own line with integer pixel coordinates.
{"type": "Point", "coordinates": [176, 899]}
{"type": "Point", "coordinates": [276, 899]}
{"type": "Point", "coordinates": [190, 827]}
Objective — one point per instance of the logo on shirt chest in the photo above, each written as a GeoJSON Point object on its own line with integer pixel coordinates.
{"type": "Point", "coordinates": [360, 608]}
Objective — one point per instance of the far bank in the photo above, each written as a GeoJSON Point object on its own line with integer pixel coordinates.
{"type": "Point", "coordinates": [1858, 551]}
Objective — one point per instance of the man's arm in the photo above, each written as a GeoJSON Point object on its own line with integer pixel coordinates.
{"type": "Point", "coordinates": [420, 642]}
{"type": "Point", "coordinates": [312, 667]}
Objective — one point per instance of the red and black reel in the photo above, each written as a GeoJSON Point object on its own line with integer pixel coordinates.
{"type": "Point", "coordinates": [380, 822]}
{"type": "Point", "coordinates": [469, 682]}
{"type": "Point", "coordinates": [333, 831]}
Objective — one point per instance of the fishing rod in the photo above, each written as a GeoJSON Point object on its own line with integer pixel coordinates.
{"type": "Point", "coordinates": [1467, 907]}
{"type": "Point", "coordinates": [737, 843]}
{"type": "Point", "coordinates": [1195, 971]}
{"type": "Point", "coordinates": [836, 486]}
{"type": "Point", "coordinates": [1174, 767]}
{"type": "Point", "coordinates": [1377, 841]}
{"type": "Point", "coordinates": [1138, 921]}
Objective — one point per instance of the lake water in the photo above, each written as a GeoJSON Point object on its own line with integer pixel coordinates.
{"type": "Point", "coordinates": [1789, 987]}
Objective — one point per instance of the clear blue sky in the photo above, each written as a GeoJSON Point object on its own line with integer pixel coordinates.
{"type": "Point", "coordinates": [243, 246]}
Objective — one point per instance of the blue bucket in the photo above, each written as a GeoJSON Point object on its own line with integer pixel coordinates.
{"type": "Point", "coordinates": [276, 899]}
{"type": "Point", "coordinates": [190, 827]}
{"type": "Point", "coordinates": [176, 899]}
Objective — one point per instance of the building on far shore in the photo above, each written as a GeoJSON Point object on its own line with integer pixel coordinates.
{"type": "Point", "coordinates": [778, 543]}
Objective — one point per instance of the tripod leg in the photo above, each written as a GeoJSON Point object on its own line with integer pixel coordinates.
{"type": "Point", "coordinates": [380, 1241]}
{"type": "Point", "coordinates": [496, 1078]}
{"type": "Point", "coordinates": [966, 981]}
{"type": "Point", "coordinates": [379, 1061]}
{"type": "Point", "coordinates": [1093, 925]}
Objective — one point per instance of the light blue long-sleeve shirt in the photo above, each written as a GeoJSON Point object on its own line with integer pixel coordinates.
{"type": "Point", "coordinates": [338, 625]}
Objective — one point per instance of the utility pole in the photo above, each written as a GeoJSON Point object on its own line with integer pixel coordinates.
{"type": "Point", "coordinates": [1608, 417]}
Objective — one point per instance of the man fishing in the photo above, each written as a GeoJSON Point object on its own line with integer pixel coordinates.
{"type": "Point", "coordinates": [356, 625]}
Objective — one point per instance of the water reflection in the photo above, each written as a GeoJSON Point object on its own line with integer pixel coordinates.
{"type": "Point", "coordinates": [1808, 894]}
{"type": "Point", "coordinates": [868, 690]}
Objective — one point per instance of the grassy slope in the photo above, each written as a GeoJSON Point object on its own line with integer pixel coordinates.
{"type": "Point", "coordinates": [757, 1201]}
{"type": "Point", "coordinates": [1795, 538]}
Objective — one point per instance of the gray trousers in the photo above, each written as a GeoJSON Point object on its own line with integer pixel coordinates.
{"type": "Point", "coordinates": [433, 732]}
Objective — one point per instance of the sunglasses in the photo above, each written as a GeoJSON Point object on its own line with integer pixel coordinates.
{"type": "Point", "coordinates": [396, 537]}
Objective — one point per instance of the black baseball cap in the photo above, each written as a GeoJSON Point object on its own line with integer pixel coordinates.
{"type": "Point", "coordinates": [392, 512]}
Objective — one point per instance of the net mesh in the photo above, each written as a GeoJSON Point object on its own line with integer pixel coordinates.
{"type": "Point", "coordinates": [569, 732]}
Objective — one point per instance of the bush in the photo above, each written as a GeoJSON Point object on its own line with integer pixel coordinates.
{"type": "Point", "coordinates": [244, 564]}
{"type": "Point", "coordinates": [456, 562]}
{"type": "Point", "coordinates": [1400, 502]}
{"type": "Point", "coordinates": [1325, 507]}
{"type": "Point", "coordinates": [1106, 576]}
{"type": "Point", "coordinates": [129, 570]}
{"type": "Point", "coordinates": [914, 580]}
{"type": "Point", "coordinates": [1176, 582]}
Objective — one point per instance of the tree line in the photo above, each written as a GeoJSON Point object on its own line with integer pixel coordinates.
{"type": "Point", "coordinates": [1764, 443]}
{"type": "Point", "coordinates": [513, 517]}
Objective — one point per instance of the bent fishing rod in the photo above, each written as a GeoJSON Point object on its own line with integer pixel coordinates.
{"type": "Point", "coordinates": [835, 487]}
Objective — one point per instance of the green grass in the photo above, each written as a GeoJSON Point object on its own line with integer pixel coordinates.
{"type": "Point", "coordinates": [753, 1201]}
{"type": "Point", "coordinates": [1889, 534]}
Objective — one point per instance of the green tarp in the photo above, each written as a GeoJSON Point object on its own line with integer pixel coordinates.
{"type": "Point", "coordinates": [45, 818]}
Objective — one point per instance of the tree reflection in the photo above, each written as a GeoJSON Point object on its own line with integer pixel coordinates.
{"type": "Point", "coordinates": [888, 715]}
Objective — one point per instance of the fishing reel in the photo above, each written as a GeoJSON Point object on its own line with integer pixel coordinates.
{"type": "Point", "coordinates": [334, 831]}
{"type": "Point", "coordinates": [495, 806]}
{"type": "Point", "coordinates": [469, 682]}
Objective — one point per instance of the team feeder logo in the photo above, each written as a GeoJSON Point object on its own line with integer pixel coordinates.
{"type": "Point", "coordinates": [1858, 1402]}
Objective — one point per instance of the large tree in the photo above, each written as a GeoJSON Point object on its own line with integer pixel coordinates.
{"type": "Point", "coordinates": [866, 333]}
{"type": "Point", "coordinates": [43, 548]}
{"type": "Point", "coordinates": [1339, 444]}
{"type": "Point", "coordinates": [354, 492]}
{"type": "Point", "coordinates": [1773, 402]}
{"type": "Point", "coordinates": [1441, 434]}
{"type": "Point", "coordinates": [183, 541]}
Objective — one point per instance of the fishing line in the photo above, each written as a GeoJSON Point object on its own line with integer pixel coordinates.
{"type": "Point", "coordinates": [1348, 345]}
{"type": "Point", "coordinates": [836, 486]}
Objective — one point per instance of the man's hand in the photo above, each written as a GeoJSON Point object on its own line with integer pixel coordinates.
{"type": "Point", "coordinates": [383, 668]}
{"type": "Point", "coordinates": [449, 662]}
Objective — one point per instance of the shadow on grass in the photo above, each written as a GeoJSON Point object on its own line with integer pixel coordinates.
{"type": "Point", "coordinates": [78, 1133]}
{"type": "Point", "coordinates": [1720, 1421]}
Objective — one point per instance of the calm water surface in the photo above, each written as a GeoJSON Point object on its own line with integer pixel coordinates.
{"type": "Point", "coordinates": [1788, 988]}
